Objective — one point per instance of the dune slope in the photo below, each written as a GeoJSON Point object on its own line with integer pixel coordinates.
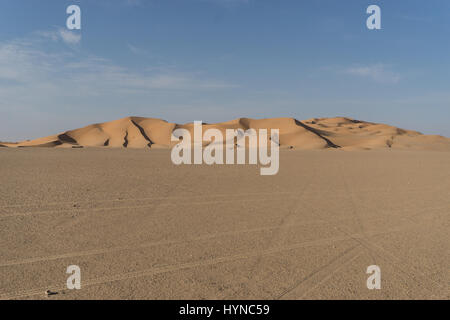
{"type": "Point", "coordinates": [318, 133]}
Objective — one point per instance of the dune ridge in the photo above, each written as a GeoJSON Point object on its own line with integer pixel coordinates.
{"type": "Point", "coordinates": [317, 133]}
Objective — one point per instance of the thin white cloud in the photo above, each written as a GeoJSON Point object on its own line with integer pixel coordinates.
{"type": "Point", "coordinates": [69, 37]}
{"type": "Point", "coordinates": [378, 72]}
{"type": "Point", "coordinates": [136, 50]}
{"type": "Point", "coordinates": [28, 61]}
{"type": "Point", "coordinates": [61, 34]}
{"type": "Point", "coordinates": [42, 81]}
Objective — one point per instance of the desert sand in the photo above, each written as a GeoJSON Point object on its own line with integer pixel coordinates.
{"type": "Point", "coordinates": [140, 227]}
{"type": "Point", "coordinates": [340, 132]}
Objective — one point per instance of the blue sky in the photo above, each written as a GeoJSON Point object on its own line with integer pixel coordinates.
{"type": "Point", "coordinates": [215, 60]}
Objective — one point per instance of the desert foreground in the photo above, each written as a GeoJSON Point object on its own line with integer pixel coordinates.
{"type": "Point", "coordinates": [140, 227]}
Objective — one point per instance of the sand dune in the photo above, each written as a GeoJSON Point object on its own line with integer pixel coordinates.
{"type": "Point", "coordinates": [318, 133]}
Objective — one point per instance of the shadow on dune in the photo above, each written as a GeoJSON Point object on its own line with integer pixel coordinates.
{"type": "Point", "coordinates": [65, 138]}
{"type": "Point", "coordinates": [318, 133]}
{"type": "Point", "coordinates": [125, 140]}
{"type": "Point", "coordinates": [150, 142]}
{"type": "Point", "coordinates": [44, 145]}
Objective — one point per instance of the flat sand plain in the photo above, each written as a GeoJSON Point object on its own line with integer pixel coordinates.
{"type": "Point", "coordinates": [140, 227]}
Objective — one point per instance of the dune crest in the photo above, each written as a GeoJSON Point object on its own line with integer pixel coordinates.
{"type": "Point", "coordinates": [317, 133]}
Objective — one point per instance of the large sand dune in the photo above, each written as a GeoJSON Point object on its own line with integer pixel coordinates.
{"type": "Point", "coordinates": [340, 132]}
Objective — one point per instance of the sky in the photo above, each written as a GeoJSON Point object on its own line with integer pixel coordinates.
{"type": "Point", "coordinates": [217, 60]}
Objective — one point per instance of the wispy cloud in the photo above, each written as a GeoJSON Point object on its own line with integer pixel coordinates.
{"type": "Point", "coordinates": [28, 61]}
{"type": "Point", "coordinates": [69, 37]}
{"type": "Point", "coordinates": [60, 34]}
{"type": "Point", "coordinates": [136, 50]}
{"type": "Point", "coordinates": [377, 72]}
{"type": "Point", "coordinates": [42, 80]}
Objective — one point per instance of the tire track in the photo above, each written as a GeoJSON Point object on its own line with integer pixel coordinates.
{"type": "Point", "coordinates": [156, 204]}
{"type": "Point", "coordinates": [203, 237]}
{"type": "Point", "coordinates": [72, 210]}
{"type": "Point", "coordinates": [150, 244]}
{"type": "Point", "coordinates": [190, 265]}
{"type": "Point", "coordinates": [375, 250]}
{"type": "Point", "coordinates": [325, 272]}
{"type": "Point", "coordinates": [413, 273]}
{"type": "Point", "coordinates": [284, 223]}
{"type": "Point", "coordinates": [34, 204]}
{"type": "Point", "coordinates": [322, 274]}
{"type": "Point", "coordinates": [355, 210]}
{"type": "Point", "coordinates": [365, 241]}
{"type": "Point", "coordinates": [145, 198]}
